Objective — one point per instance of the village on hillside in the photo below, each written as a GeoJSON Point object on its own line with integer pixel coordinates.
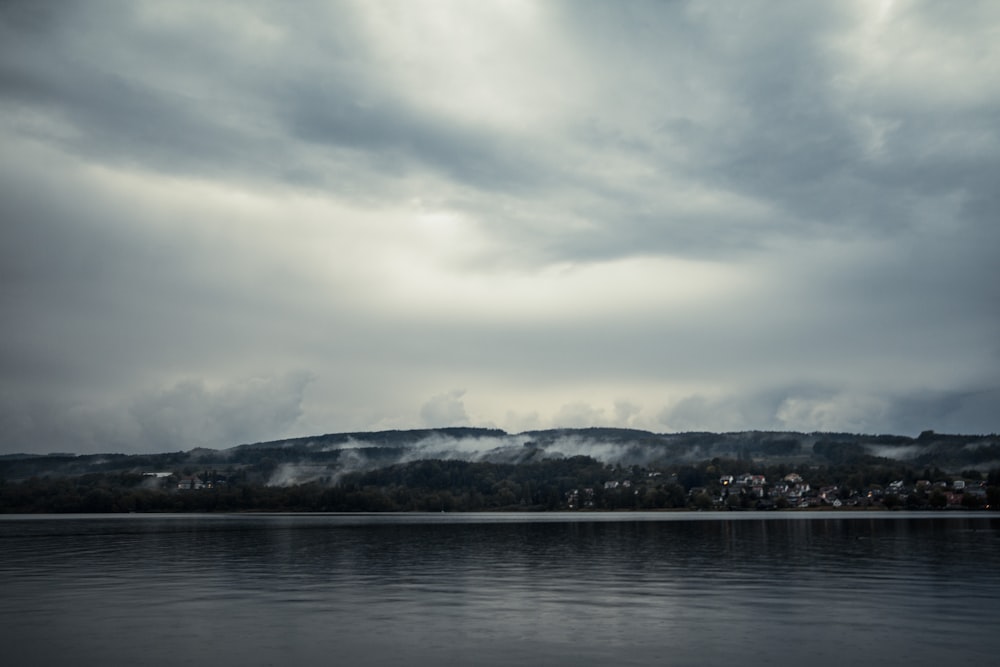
{"type": "Point", "coordinates": [793, 491]}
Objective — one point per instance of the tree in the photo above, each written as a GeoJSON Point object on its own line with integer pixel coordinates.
{"type": "Point", "coordinates": [971, 501]}
{"type": "Point", "coordinates": [702, 501]}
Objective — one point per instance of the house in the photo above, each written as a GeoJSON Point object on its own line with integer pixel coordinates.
{"type": "Point", "coordinates": [189, 483]}
{"type": "Point", "coordinates": [746, 479]}
{"type": "Point", "coordinates": [979, 491]}
{"type": "Point", "coordinates": [829, 493]}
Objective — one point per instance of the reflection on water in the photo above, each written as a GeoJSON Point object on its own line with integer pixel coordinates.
{"type": "Point", "coordinates": [632, 589]}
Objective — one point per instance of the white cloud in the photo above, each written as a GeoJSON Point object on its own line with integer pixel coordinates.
{"type": "Point", "coordinates": [446, 409]}
{"type": "Point", "coordinates": [578, 415]}
{"type": "Point", "coordinates": [840, 412]}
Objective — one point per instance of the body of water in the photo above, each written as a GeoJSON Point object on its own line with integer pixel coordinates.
{"type": "Point", "coordinates": [499, 589]}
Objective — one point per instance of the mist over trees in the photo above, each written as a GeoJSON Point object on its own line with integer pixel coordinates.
{"type": "Point", "coordinates": [467, 469]}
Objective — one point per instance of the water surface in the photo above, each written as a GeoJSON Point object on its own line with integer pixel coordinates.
{"type": "Point", "coordinates": [501, 589]}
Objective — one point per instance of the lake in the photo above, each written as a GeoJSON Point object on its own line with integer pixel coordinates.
{"type": "Point", "coordinates": [500, 589]}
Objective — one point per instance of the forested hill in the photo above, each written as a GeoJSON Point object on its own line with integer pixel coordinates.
{"type": "Point", "coordinates": [468, 469]}
{"type": "Point", "coordinates": [295, 460]}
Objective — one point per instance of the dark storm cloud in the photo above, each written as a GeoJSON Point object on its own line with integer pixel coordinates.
{"type": "Point", "coordinates": [115, 114]}
{"type": "Point", "coordinates": [209, 120]}
{"type": "Point", "coordinates": [191, 105]}
{"type": "Point", "coordinates": [399, 139]}
{"type": "Point", "coordinates": [826, 408]}
{"type": "Point", "coordinates": [787, 136]}
{"type": "Point", "coordinates": [968, 411]}
{"type": "Point", "coordinates": [182, 416]}
{"type": "Point", "coordinates": [661, 215]}
{"type": "Point", "coordinates": [186, 94]}
{"type": "Point", "coordinates": [793, 134]}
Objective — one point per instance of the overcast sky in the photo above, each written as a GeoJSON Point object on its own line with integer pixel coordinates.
{"type": "Point", "coordinates": [232, 222]}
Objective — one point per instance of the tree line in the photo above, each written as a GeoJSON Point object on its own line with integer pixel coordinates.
{"type": "Point", "coordinates": [578, 482]}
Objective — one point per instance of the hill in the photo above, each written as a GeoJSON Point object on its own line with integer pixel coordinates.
{"type": "Point", "coordinates": [473, 469]}
{"type": "Point", "coordinates": [296, 460]}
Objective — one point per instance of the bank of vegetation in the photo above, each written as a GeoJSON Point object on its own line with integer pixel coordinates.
{"type": "Point", "coordinates": [579, 483]}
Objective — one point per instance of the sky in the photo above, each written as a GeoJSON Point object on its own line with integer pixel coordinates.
{"type": "Point", "coordinates": [231, 222]}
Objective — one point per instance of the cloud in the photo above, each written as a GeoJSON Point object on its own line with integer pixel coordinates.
{"type": "Point", "coordinates": [578, 415]}
{"type": "Point", "coordinates": [190, 414]}
{"type": "Point", "coordinates": [733, 215]}
{"type": "Point", "coordinates": [181, 416]}
{"type": "Point", "coordinates": [970, 411]}
{"type": "Point", "coordinates": [625, 412]}
{"type": "Point", "coordinates": [727, 412]}
{"type": "Point", "coordinates": [809, 408]}
{"type": "Point", "coordinates": [446, 409]}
